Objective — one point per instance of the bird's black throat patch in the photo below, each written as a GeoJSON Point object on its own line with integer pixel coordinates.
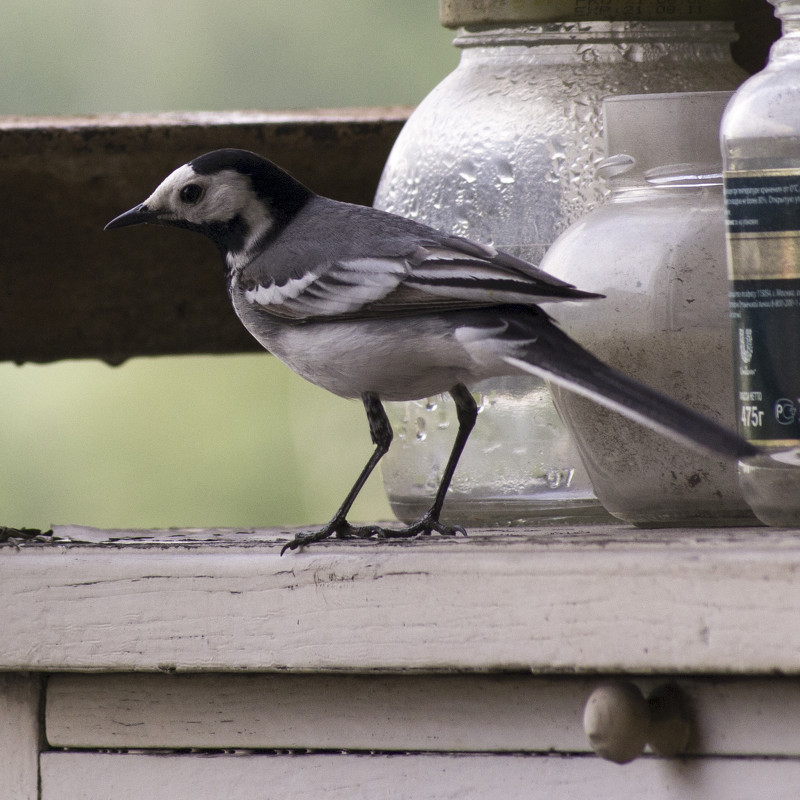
{"type": "Point", "coordinates": [230, 236]}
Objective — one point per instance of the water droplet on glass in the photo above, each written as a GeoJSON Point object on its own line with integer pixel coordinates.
{"type": "Point", "coordinates": [420, 429]}
{"type": "Point", "coordinates": [468, 172]}
{"type": "Point", "coordinates": [505, 172]}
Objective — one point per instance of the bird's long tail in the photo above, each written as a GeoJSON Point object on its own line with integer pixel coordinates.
{"type": "Point", "coordinates": [557, 358]}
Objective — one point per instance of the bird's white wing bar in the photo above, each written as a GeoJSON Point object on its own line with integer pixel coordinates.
{"type": "Point", "coordinates": [278, 294]}
{"type": "Point", "coordinates": [344, 288]}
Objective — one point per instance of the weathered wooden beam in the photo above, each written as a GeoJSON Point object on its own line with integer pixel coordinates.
{"type": "Point", "coordinates": [605, 599]}
{"type": "Point", "coordinates": [69, 290]}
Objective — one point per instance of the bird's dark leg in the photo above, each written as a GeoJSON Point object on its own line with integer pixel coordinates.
{"type": "Point", "coordinates": [467, 412]}
{"type": "Point", "coordinates": [381, 432]}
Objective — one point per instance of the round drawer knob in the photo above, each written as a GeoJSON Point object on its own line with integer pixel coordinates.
{"type": "Point", "coordinates": [617, 721]}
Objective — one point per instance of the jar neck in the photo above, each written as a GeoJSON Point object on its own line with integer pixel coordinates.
{"type": "Point", "coordinates": [788, 12]}
{"type": "Point", "coordinates": [788, 46]}
{"type": "Point", "coordinates": [718, 34]}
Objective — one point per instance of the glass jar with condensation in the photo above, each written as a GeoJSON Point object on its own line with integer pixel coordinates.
{"type": "Point", "coordinates": [503, 151]}
{"type": "Point", "coordinates": [656, 251]}
{"type": "Point", "coordinates": [760, 140]}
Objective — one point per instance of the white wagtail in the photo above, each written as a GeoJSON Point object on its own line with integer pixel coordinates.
{"type": "Point", "coordinates": [368, 304]}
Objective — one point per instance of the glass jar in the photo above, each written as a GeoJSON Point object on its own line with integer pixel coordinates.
{"type": "Point", "coordinates": [656, 250]}
{"type": "Point", "coordinates": [760, 140]}
{"type": "Point", "coordinates": [503, 151]}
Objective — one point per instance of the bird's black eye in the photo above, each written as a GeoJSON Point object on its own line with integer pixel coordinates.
{"type": "Point", "coordinates": [191, 193]}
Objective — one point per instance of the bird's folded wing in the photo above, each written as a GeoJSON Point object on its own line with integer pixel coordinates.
{"type": "Point", "coordinates": [341, 289]}
{"type": "Point", "coordinates": [451, 274]}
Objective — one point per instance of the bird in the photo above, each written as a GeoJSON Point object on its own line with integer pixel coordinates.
{"type": "Point", "coordinates": [371, 305]}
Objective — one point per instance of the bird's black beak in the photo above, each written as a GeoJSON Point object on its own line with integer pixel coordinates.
{"type": "Point", "coordinates": [135, 216]}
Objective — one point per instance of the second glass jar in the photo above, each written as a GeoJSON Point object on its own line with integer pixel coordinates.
{"type": "Point", "coordinates": [657, 253]}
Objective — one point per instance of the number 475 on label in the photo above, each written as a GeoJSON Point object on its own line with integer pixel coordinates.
{"type": "Point", "coordinates": [752, 417]}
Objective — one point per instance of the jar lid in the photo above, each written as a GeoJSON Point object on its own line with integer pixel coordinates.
{"type": "Point", "coordinates": [456, 13]}
{"type": "Point", "coordinates": [655, 130]}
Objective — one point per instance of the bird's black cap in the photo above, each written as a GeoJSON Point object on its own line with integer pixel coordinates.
{"type": "Point", "coordinates": [284, 194]}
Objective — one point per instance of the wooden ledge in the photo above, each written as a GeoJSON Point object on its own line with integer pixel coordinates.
{"type": "Point", "coordinates": [598, 599]}
{"type": "Point", "coordinates": [72, 291]}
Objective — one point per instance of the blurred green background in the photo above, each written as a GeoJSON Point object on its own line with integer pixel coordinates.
{"type": "Point", "coordinates": [195, 441]}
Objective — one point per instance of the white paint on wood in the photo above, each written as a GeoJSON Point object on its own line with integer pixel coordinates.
{"type": "Point", "coordinates": [19, 736]}
{"type": "Point", "coordinates": [468, 713]}
{"type": "Point", "coordinates": [602, 599]}
{"type": "Point", "coordinates": [323, 712]}
{"type": "Point", "coordinates": [353, 777]}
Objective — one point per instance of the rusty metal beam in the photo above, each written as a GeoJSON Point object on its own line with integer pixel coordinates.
{"type": "Point", "coordinates": [68, 290]}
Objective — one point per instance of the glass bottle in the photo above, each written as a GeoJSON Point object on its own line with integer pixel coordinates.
{"type": "Point", "coordinates": [760, 141]}
{"type": "Point", "coordinates": [656, 251]}
{"type": "Point", "coordinates": [503, 151]}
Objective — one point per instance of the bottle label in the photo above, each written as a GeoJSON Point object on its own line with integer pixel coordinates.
{"type": "Point", "coordinates": [763, 234]}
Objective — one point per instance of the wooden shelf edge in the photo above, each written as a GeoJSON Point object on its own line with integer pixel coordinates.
{"type": "Point", "coordinates": [609, 599]}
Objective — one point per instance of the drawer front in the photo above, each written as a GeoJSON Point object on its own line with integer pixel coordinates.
{"type": "Point", "coordinates": [92, 776]}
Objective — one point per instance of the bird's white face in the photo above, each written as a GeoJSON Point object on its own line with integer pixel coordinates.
{"type": "Point", "coordinates": [186, 196]}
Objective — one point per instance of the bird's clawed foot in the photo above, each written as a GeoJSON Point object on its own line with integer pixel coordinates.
{"type": "Point", "coordinates": [339, 528]}
{"type": "Point", "coordinates": [425, 527]}
{"type": "Point", "coordinates": [342, 529]}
